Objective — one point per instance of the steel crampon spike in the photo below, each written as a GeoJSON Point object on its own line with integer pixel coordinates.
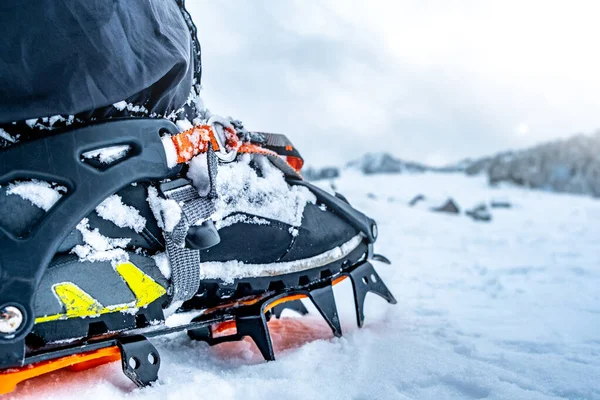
{"type": "Point", "coordinates": [324, 301]}
{"type": "Point", "coordinates": [364, 280]}
{"type": "Point", "coordinates": [255, 327]}
{"type": "Point", "coordinates": [382, 258]}
{"type": "Point", "coordinates": [250, 321]}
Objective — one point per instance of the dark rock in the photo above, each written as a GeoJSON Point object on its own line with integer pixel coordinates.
{"type": "Point", "coordinates": [418, 198]}
{"type": "Point", "coordinates": [479, 213]}
{"type": "Point", "coordinates": [385, 163]}
{"type": "Point", "coordinates": [449, 206]}
{"type": "Point", "coordinates": [500, 203]}
{"type": "Point", "coordinates": [316, 174]}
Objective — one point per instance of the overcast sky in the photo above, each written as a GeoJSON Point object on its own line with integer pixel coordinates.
{"type": "Point", "coordinates": [425, 80]}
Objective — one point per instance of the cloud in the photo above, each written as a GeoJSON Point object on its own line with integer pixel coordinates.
{"type": "Point", "coordinates": [420, 79]}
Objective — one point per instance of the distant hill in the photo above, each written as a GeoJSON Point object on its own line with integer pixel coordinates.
{"type": "Point", "coordinates": [570, 165]}
{"type": "Point", "coordinates": [369, 164]}
{"type": "Point", "coordinates": [317, 174]}
{"type": "Point", "coordinates": [385, 163]}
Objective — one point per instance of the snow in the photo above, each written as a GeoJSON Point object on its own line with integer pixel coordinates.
{"type": "Point", "coordinates": [112, 209]}
{"type": "Point", "coordinates": [504, 310]}
{"type": "Point", "coordinates": [55, 118]}
{"type": "Point", "coordinates": [240, 218]}
{"type": "Point", "coordinates": [163, 264]}
{"type": "Point", "coordinates": [184, 124]}
{"type": "Point", "coordinates": [121, 105]}
{"type": "Point", "coordinates": [6, 136]}
{"type": "Point", "coordinates": [166, 211]}
{"type": "Point", "coordinates": [98, 247]}
{"type": "Point", "coordinates": [242, 190]}
{"type": "Point", "coordinates": [41, 194]}
{"type": "Point", "coordinates": [108, 155]}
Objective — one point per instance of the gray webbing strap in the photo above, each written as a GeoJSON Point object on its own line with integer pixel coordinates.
{"type": "Point", "coordinates": [185, 270]}
{"type": "Point", "coordinates": [185, 262]}
{"type": "Point", "coordinates": [194, 209]}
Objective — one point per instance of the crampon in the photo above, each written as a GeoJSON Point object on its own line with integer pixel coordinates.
{"type": "Point", "coordinates": [84, 283]}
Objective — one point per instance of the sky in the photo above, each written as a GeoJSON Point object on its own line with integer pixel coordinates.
{"type": "Point", "coordinates": [424, 80]}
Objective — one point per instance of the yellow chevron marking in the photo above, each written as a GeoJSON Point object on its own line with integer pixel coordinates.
{"type": "Point", "coordinates": [79, 304]}
{"type": "Point", "coordinates": [145, 289]}
{"type": "Point", "coordinates": [49, 318]}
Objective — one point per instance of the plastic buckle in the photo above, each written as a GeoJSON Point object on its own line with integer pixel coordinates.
{"type": "Point", "coordinates": [199, 237]}
{"type": "Point", "coordinates": [166, 187]}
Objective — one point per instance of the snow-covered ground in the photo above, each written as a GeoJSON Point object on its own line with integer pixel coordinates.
{"type": "Point", "coordinates": [508, 309]}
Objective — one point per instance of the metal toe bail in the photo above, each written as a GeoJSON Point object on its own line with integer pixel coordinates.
{"type": "Point", "coordinates": [218, 125]}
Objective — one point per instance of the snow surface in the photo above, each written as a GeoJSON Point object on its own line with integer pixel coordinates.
{"type": "Point", "coordinates": [502, 310]}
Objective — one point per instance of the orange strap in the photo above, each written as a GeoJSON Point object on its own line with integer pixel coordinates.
{"type": "Point", "coordinates": [194, 141]}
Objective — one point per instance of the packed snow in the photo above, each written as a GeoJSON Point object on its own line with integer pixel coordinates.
{"type": "Point", "coordinates": [166, 211]}
{"type": "Point", "coordinates": [163, 264]}
{"type": "Point", "coordinates": [108, 155]}
{"type": "Point", "coordinates": [241, 189]}
{"type": "Point", "coordinates": [508, 309]}
{"type": "Point", "coordinates": [48, 123]}
{"type": "Point", "coordinates": [98, 247]}
{"type": "Point", "coordinates": [41, 194]}
{"type": "Point", "coordinates": [184, 124]}
{"type": "Point", "coordinates": [114, 210]}
{"type": "Point", "coordinates": [240, 218]}
{"type": "Point", "coordinates": [6, 136]}
{"type": "Point", "coordinates": [122, 105]}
